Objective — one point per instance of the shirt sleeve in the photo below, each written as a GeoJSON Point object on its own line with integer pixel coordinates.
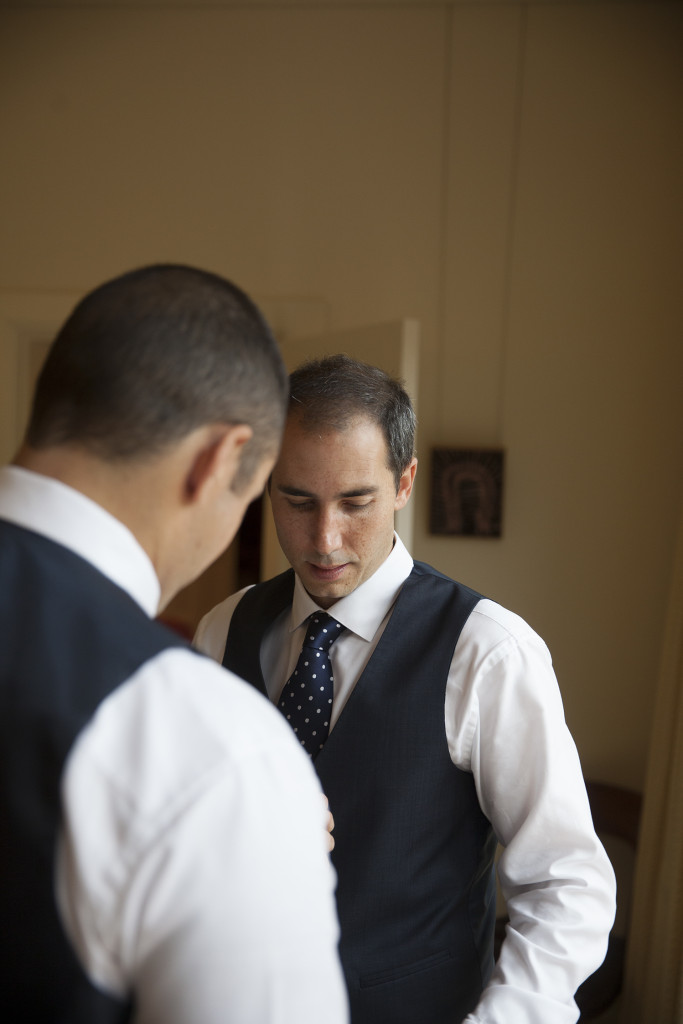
{"type": "Point", "coordinates": [194, 870]}
{"type": "Point", "coordinates": [506, 725]}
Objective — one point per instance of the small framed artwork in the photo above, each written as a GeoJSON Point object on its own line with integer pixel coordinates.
{"type": "Point", "coordinates": [467, 492]}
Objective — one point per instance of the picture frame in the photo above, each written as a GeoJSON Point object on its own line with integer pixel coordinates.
{"type": "Point", "coordinates": [466, 498]}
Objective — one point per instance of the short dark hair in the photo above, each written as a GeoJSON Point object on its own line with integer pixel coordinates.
{"type": "Point", "coordinates": [151, 355]}
{"type": "Point", "coordinates": [327, 393]}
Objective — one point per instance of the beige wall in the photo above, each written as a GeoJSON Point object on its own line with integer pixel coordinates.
{"type": "Point", "coordinates": [508, 174]}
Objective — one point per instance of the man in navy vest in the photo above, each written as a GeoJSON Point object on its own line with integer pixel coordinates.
{"type": "Point", "coordinates": [446, 734]}
{"type": "Point", "coordinates": [162, 836]}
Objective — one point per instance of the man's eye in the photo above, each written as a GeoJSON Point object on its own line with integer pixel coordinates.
{"type": "Point", "coordinates": [300, 504]}
{"type": "Point", "coordinates": [356, 506]}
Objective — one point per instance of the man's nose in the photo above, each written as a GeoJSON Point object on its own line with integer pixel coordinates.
{"type": "Point", "coordinates": [327, 532]}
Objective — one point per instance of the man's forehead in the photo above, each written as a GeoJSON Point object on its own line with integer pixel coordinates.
{"type": "Point", "coordinates": [356, 428]}
{"type": "Point", "coordinates": [347, 462]}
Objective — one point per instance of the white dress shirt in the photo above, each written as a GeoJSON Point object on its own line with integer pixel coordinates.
{"type": "Point", "coordinates": [193, 866]}
{"type": "Point", "coordinates": [504, 723]}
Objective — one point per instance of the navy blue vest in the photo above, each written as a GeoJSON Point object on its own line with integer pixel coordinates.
{"type": "Point", "coordinates": [69, 637]}
{"type": "Point", "coordinates": [414, 852]}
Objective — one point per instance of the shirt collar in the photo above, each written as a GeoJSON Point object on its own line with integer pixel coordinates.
{"type": "Point", "coordinates": [363, 610]}
{"type": "Point", "coordinates": [69, 518]}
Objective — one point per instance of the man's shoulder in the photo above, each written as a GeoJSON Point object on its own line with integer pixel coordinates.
{"type": "Point", "coordinates": [503, 628]}
{"type": "Point", "coordinates": [181, 743]}
{"type": "Point", "coordinates": [213, 628]}
{"type": "Point", "coordinates": [423, 569]}
{"type": "Point", "coordinates": [188, 684]}
{"type": "Point", "coordinates": [201, 724]}
{"type": "Point", "coordinates": [488, 615]}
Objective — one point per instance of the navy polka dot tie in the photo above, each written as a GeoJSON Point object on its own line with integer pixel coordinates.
{"type": "Point", "coordinates": [306, 701]}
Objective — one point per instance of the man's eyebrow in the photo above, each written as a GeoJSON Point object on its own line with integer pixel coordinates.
{"type": "Point", "coordinates": [294, 492]}
{"type": "Point", "coordinates": [357, 492]}
{"type": "Point", "coordinates": [360, 492]}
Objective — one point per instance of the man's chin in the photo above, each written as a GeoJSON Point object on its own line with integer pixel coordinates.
{"type": "Point", "coordinates": [327, 584]}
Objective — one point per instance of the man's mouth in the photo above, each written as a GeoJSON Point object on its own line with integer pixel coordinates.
{"type": "Point", "coordinates": [327, 573]}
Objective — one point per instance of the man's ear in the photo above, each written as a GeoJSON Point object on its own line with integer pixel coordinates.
{"type": "Point", "coordinates": [405, 485]}
{"type": "Point", "coordinates": [215, 459]}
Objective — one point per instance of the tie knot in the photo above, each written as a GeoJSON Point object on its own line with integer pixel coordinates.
{"type": "Point", "coordinates": [321, 631]}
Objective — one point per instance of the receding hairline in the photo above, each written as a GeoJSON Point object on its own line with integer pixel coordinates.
{"type": "Point", "coordinates": [313, 427]}
{"type": "Point", "coordinates": [336, 419]}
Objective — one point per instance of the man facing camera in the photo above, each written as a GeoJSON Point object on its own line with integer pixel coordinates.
{"type": "Point", "coordinates": [163, 852]}
{"type": "Point", "coordinates": [434, 721]}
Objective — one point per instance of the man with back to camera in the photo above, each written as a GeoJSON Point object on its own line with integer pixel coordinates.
{"type": "Point", "coordinates": [163, 856]}
{"type": "Point", "coordinates": [446, 732]}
